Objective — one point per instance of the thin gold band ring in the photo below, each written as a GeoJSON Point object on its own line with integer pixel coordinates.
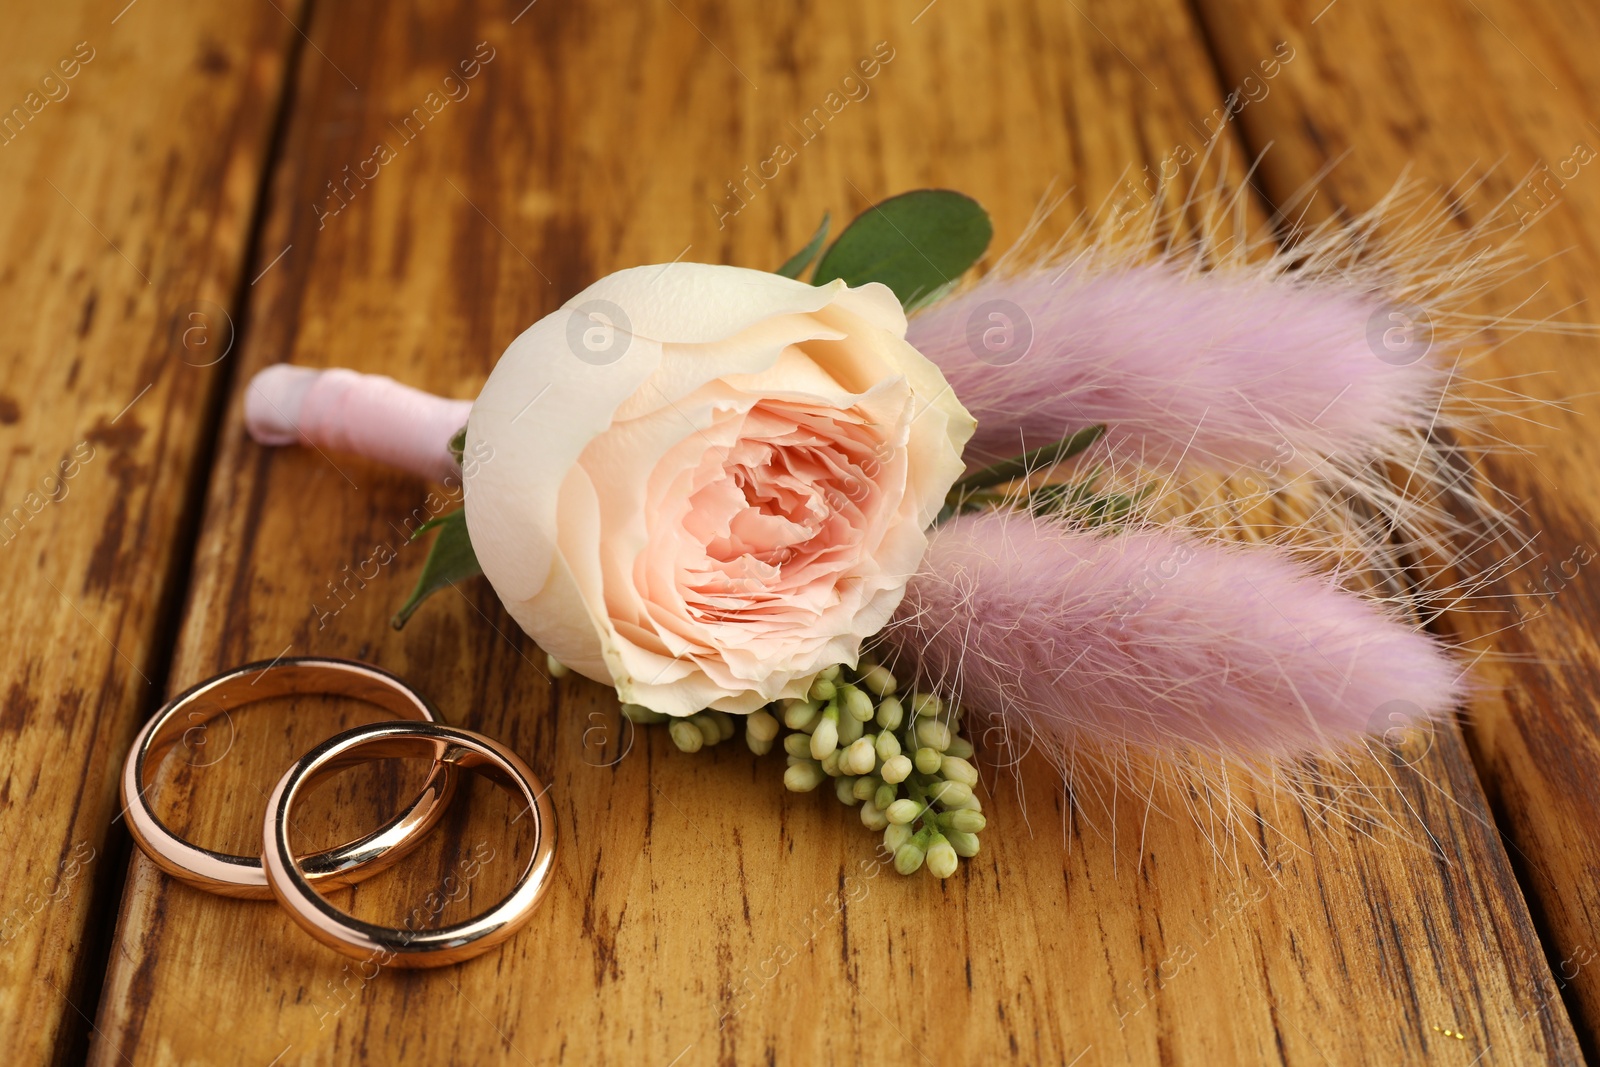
{"type": "Point", "coordinates": [243, 876]}
{"type": "Point", "coordinates": [391, 946]}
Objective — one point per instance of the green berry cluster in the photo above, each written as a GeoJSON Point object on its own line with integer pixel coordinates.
{"type": "Point", "coordinates": [904, 762]}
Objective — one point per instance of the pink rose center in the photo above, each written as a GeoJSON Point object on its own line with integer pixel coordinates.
{"type": "Point", "coordinates": [776, 519]}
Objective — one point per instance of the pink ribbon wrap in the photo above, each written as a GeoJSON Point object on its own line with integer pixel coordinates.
{"type": "Point", "coordinates": [344, 411]}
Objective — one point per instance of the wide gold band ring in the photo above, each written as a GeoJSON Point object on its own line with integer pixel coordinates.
{"type": "Point", "coordinates": [391, 946]}
{"type": "Point", "coordinates": [243, 876]}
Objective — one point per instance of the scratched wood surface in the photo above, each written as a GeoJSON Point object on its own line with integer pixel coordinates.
{"type": "Point", "coordinates": [132, 144]}
{"type": "Point", "coordinates": [697, 912]}
{"type": "Point", "coordinates": [1507, 95]}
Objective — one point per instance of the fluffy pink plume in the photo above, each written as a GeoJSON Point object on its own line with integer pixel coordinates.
{"type": "Point", "coordinates": [1159, 641]}
{"type": "Point", "coordinates": [1221, 369]}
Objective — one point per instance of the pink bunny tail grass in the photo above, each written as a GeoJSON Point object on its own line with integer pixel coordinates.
{"type": "Point", "coordinates": [368, 414]}
{"type": "Point", "coordinates": [1150, 641]}
{"type": "Point", "coordinates": [1239, 347]}
{"type": "Point", "coordinates": [1299, 385]}
{"type": "Point", "coordinates": [1217, 369]}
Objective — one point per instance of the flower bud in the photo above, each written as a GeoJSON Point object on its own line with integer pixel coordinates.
{"type": "Point", "coordinates": [850, 728]}
{"type": "Point", "coordinates": [942, 860]}
{"type": "Point", "coordinates": [822, 689]}
{"type": "Point", "coordinates": [925, 705]}
{"type": "Point", "coordinates": [803, 777]}
{"type": "Point", "coordinates": [879, 680]}
{"type": "Point", "coordinates": [709, 730]}
{"type": "Point", "coordinates": [908, 857]}
{"type": "Point", "coordinates": [958, 770]}
{"type": "Point", "coordinates": [556, 667]}
{"type": "Point", "coordinates": [859, 758]}
{"type": "Point", "coordinates": [867, 787]}
{"type": "Point", "coordinates": [960, 748]}
{"type": "Point", "coordinates": [950, 794]}
{"type": "Point", "coordinates": [903, 811]}
{"type": "Point", "coordinates": [830, 763]}
{"type": "Point", "coordinates": [896, 769]}
{"type": "Point", "coordinates": [931, 733]}
{"type": "Point", "coordinates": [798, 714]}
{"type": "Point", "coordinates": [966, 821]}
{"type": "Point", "coordinates": [927, 760]}
{"type": "Point", "coordinates": [758, 746]}
{"type": "Point", "coordinates": [891, 713]}
{"type": "Point", "coordinates": [724, 721]}
{"type": "Point", "coordinates": [885, 796]}
{"type": "Point", "coordinates": [642, 715]}
{"type": "Point", "coordinates": [826, 737]}
{"type": "Point", "coordinates": [872, 817]}
{"type": "Point", "coordinates": [896, 835]}
{"type": "Point", "coordinates": [686, 735]}
{"type": "Point", "coordinates": [855, 703]}
{"type": "Point", "coordinates": [965, 844]}
{"type": "Point", "coordinates": [833, 672]}
{"type": "Point", "coordinates": [844, 788]}
{"type": "Point", "coordinates": [887, 745]}
{"type": "Point", "coordinates": [797, 745]}
{"type": "Point", "coordinates": [763, 727]}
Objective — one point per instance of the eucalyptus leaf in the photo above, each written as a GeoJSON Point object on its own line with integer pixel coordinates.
{"type": "Point", "coordinates": [1034, 460]}
{"type": "Point", "coordinates": [918, 244]}
{"type": "Point", "coordinates": [797, 263]}
{"type": "Point", "coordinates": [450, 560]}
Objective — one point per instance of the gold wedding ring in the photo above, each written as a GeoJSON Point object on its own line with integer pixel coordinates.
{"type": "Point", "coordinates": [391, 946]}
{"type": "Point", "coordinates": [243, 876]}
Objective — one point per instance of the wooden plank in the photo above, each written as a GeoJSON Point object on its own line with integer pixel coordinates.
{"type": "Point", "coordinates": [700, 914]}
{"type": "Point", "coordinates": [1506, 84]}
{"type": "Point", "coordinates": [132, 143]}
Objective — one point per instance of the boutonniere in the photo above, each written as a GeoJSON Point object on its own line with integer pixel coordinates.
{"type": "Point", "coordinates": [859, 506]}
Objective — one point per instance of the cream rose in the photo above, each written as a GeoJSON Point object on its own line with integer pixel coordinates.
{"type": "Point", "coordinates": [709, 483]}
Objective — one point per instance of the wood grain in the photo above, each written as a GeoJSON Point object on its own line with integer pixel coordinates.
{"type": "Point", "coordinates": [700, 914]}
{"type": "Point", "coordinates": [132, 145]}
{"type": "Point", "coordinates": [1506, 93]}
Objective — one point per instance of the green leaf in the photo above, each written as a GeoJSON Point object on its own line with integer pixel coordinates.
{"type": "Point", "coordinates": [449, 561]}
{"type": "Point", "coordinates": [1029, 462]}
{"type": "Point", "coordinates": [932, 296]}
{"type": "Point", "coordinates": [457, 446]}
{"type": "Point", "coordinates": [798, 262]}
{"type": "Point", "coordinates": [1084, 504]}
{"type": "Point", "coordinates": [917, 243]}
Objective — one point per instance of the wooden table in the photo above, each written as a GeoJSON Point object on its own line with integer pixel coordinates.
{"type": "Point", "coordinates": [176, 215]}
